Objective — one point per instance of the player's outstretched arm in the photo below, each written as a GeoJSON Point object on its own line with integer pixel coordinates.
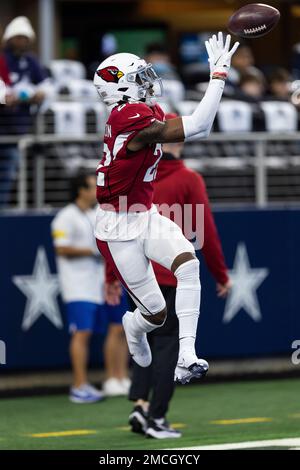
{"type": "Point", "coordinates": [201, 121]}
{"type": "Point", "coordinates": [219, 57]}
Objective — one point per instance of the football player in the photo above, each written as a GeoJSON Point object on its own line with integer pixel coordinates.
{"type": "Point", "coordinates": [129, 230]}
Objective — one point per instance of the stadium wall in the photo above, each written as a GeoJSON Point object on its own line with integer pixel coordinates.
{"type": "Point", "coordinates": [259, 319]}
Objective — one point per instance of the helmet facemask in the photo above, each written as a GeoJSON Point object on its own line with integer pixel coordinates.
{"type": "Point", "coordinates": [149, 84]}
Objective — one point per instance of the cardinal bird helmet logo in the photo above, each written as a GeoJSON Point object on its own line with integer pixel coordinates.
{"type": "Point", "coordinates": [127, 77]}
{"type": "Point", "coordinates": [110, 74]}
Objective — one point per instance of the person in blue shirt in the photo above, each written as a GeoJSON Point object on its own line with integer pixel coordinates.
{"type": "Point", "coordinates": [22, 74]}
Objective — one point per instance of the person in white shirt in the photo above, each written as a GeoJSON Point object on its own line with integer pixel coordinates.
{"type": "Point", "coordinates": [81, 274]}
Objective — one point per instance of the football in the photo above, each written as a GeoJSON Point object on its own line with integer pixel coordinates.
{"type": "Point", "coordinates": [253, 20]}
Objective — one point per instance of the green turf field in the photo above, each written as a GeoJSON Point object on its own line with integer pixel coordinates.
{"type": "Point", "coordinates": [207, 414]}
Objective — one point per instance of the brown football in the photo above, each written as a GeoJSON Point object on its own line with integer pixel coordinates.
{"type": "Point", "coordinates": [253, 20]}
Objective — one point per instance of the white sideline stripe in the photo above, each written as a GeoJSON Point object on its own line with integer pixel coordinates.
{"type": "Point", "coordinates": [292, 442]}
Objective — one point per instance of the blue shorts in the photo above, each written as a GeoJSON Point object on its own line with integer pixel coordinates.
{"type": "Point", "coordinates": [88, 316]}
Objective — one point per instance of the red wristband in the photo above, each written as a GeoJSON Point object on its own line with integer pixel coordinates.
{"type": "Point", "coordinates": [220, 75]}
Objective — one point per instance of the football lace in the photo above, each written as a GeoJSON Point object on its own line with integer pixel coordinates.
{"type": "Point", "coordinates": [258, 29]}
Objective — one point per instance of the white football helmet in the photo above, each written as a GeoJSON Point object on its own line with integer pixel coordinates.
{"type": "Point", "coordinates": [127, 77]}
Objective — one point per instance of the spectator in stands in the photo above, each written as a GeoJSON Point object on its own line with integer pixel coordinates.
{"type": "Point", "coordinates": [252, 87]}
{"type": "Point", "coordinates": [108, 46]}
{"type": "Point", "coordinates": [243, 64]}
{"type": "Point", "coordinates": [158, 56]}
{"type": "Point", "coordinates": [22, 74]}
{"type": "Point", "coordinates": [81, 274]}
{"type": "Point", "coordinates": [280, 85]}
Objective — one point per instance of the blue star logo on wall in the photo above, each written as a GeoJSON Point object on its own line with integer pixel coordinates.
{"type": "Point", "coordinates": [245, 282]}
{"type": "Point", "coordinates": [41, 289]}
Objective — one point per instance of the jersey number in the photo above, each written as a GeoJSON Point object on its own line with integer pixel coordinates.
{"type": "Point", "coordinates": [107, 160]}
{"type": "Point", "coordinates": [152, 170]}
{"type": "Point", "coordinates": [150, 174]}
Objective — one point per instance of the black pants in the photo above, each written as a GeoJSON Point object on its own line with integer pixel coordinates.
{"type": "Point", "coordinates": [158, 378]}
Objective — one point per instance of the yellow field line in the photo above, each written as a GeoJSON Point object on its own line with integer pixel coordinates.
{"type": "Point", "coordinates": [178, 425]}
{"type": "Point", "coordinates": [73, 432]}
{"type": "Point", "coordinates": [241, 421]}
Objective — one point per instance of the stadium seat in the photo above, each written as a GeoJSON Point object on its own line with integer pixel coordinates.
{"type": "Point", "coordinates": [79, 90]}
{"type": "Point", "coordinates": [173, 90]}
{"type": "Point", "coordinates": [64, 118]}
{"type": "Point", "coordinates": [69, 118]}
{"type": "Point", "coordinates": [235, 116]}
{"type": "Point", "coordinates": [64, 70]}
{"type": "Point", "coordinates": [280, 116]}
{"type": "Point", "coordinates": [96, 117]}
{"type": "Point", "coordinates": [184, 108]}
{"type": "Point", "coordinates": [50, 89]}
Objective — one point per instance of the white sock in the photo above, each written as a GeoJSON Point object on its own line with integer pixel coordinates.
{"type": "Point", "coordinates": [187, 305]}
{"type": "Point", "coordinates": [140, 325]}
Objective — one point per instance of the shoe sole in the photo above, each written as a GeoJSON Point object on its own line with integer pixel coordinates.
{"type": "Point", "coordinates": [161, 434]}
{"type": "Point", "coordinates": [195, 371]}
{"type": "Point", "coordinates": [138, 423]}
{"type": "Point", "coordinates": [81, 401]}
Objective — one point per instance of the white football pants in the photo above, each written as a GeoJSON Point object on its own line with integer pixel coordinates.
{"type": "Point", "coordinates": [161, 241]}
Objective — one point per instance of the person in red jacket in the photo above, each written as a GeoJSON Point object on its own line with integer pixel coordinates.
{"type": "Point", "coordinates": [174, 184]}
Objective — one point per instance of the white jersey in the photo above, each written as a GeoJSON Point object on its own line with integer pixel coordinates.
{"type": "Point", "coordinates": [81, 278]}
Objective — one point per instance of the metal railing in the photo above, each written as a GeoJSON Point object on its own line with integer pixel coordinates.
{"type": "Point", "coordinates": [44, 169]}
{"type": "Point", "coordinates": [259, 155]}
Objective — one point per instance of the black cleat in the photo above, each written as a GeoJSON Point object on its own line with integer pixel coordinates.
{"type": "Point", "coordinates": [196, 370]}
{"type": "Point", "coordinates": [138, 420]}
{"type": "Point", "coordinates": [160, 429]}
